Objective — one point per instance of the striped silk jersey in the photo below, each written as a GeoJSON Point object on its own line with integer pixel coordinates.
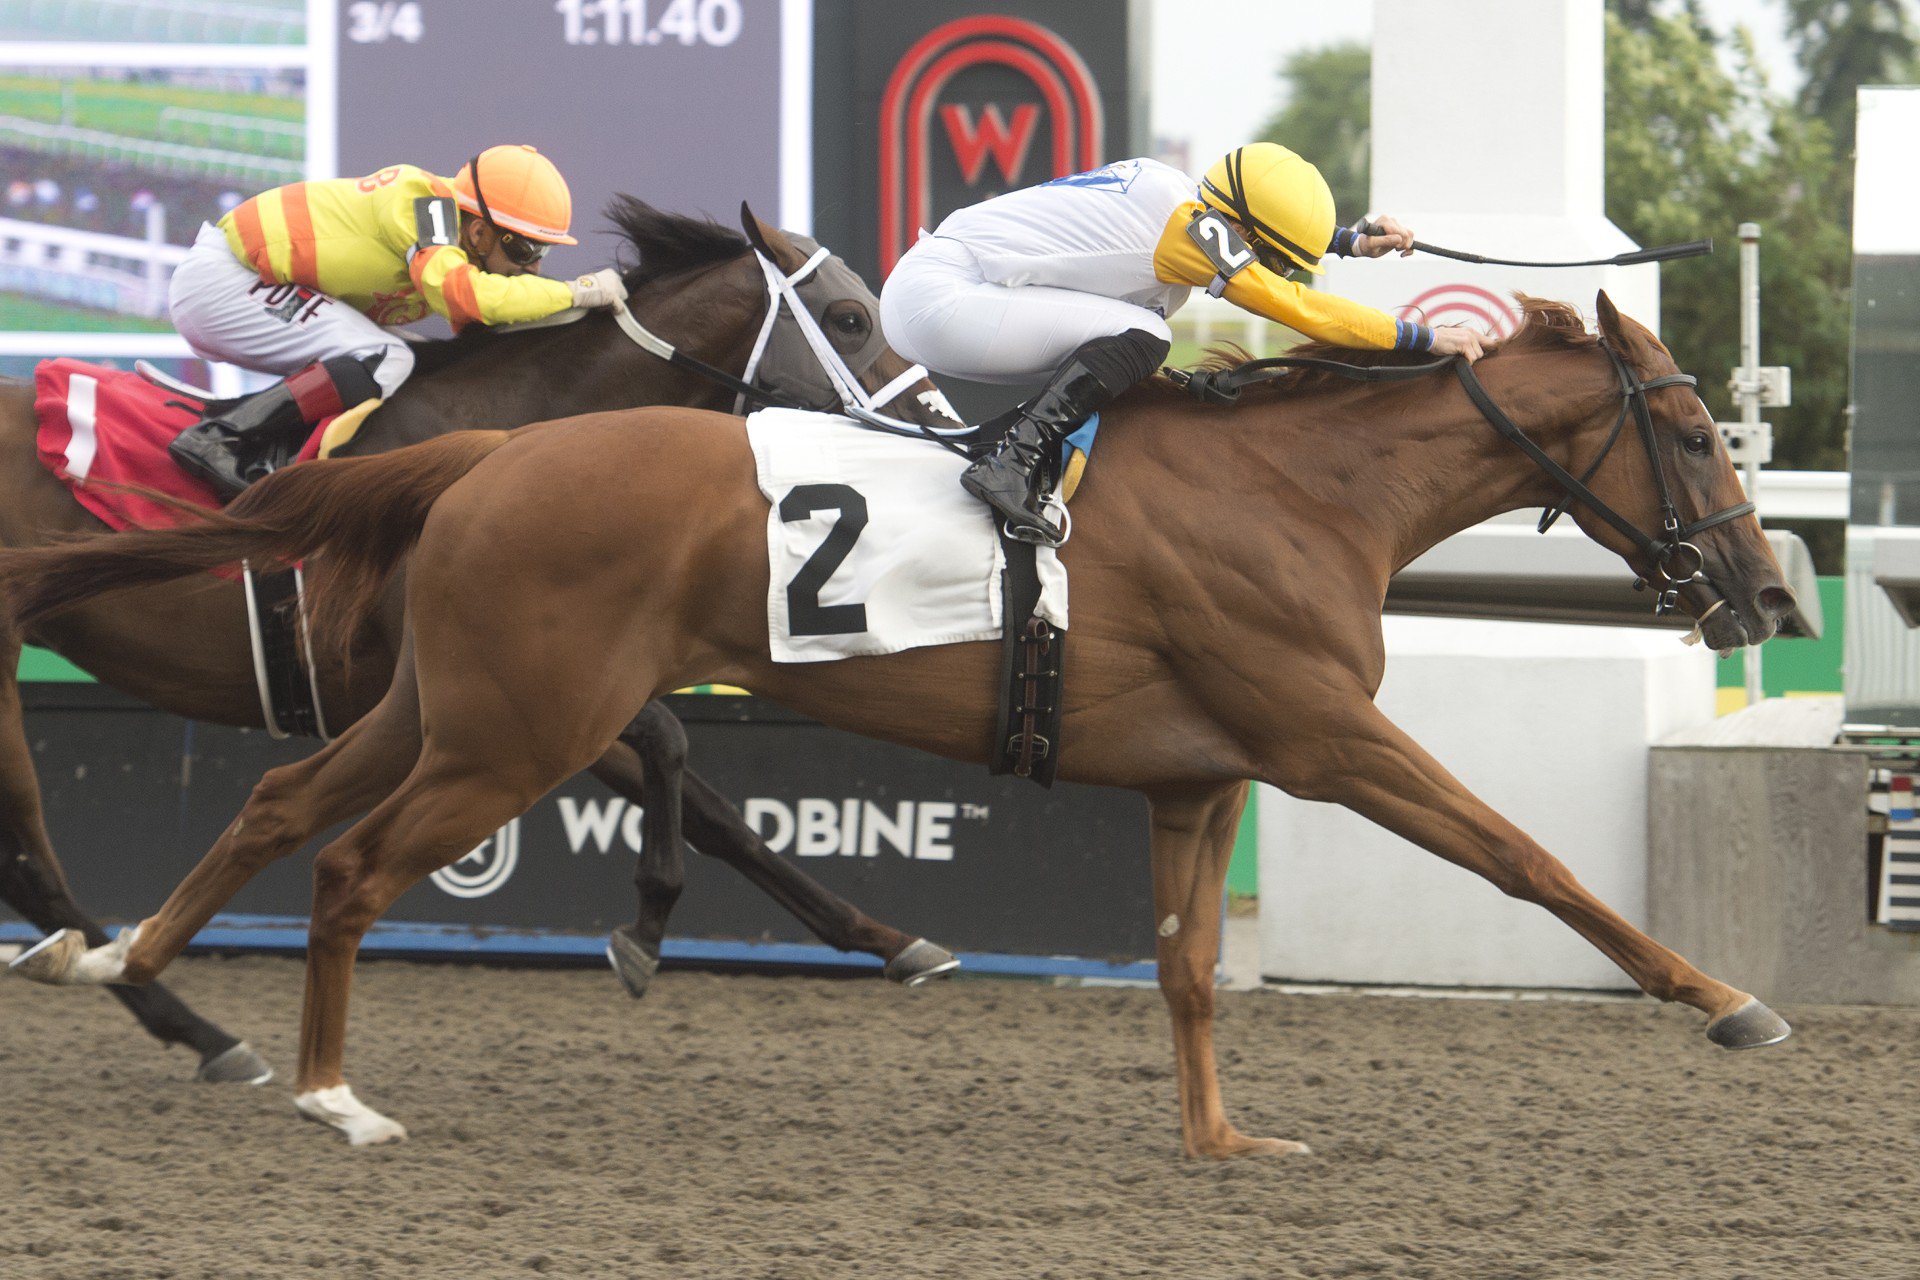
{"type": "Point", "coordinates": [358, 240]}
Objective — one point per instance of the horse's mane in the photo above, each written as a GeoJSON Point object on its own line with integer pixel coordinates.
{"type": "Point", "coordinates": [1545, 324]}
{"type": "Point", "coordinates": [653, 244]}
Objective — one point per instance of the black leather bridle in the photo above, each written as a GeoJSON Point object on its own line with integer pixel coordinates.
{"type": "Point", "coordinates": [1672, 555]}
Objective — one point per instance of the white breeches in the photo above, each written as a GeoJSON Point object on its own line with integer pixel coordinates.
{"type": "Point", "coordinates": [938, 311]}
{"type": "Point", "coordinates": [226, 313]}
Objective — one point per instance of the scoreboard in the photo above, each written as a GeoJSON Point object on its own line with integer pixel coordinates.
{"type": "Point", "coordinates": [678, 102]}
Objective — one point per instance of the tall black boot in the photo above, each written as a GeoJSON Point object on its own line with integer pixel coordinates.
{"type": "Point", "coordinates": [1094, 374]}
{"type": "Point", "coordinates": [253, 436]}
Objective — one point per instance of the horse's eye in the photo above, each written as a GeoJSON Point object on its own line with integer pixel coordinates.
{"type": "Point", "coordinates": [847, 322]}
{"type": "Point", "coordinates": [1699, 444]}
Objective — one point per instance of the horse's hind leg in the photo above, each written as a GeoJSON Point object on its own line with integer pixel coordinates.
{"type": "Point", "coordinates": [670, 796]}
{"type": "Point", "coordinates": [1367, 764]}
{"type": "Point", "coordinates": [32, 883]}
{"type": "Point", "coordinates": [288, 806]}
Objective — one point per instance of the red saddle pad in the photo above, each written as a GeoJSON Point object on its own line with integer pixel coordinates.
{"type": "Point", "coordinates": [101, 427]}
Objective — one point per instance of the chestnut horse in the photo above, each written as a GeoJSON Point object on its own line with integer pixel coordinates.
{"type": "Point", "coordinates": [183, 647]}
{"type": "Point", "coordinates": [1228, 567]}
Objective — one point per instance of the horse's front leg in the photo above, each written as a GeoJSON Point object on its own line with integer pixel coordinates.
{"type": "Point", "coordinates": [648, 766]}
{"type": "Point", "coordinates": [32, 884]}
{"type": "Point", "coordinates": [1362, 760]}
{"type": "Point", "coordinates": [1192, 842]}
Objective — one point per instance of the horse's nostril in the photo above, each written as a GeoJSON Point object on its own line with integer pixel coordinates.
{"type": "Point", "coordinates": [1776, 602]}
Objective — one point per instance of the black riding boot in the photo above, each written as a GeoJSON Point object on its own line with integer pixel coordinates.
{"type": "Point", "coordinates": [264, 431]}
{"type": "Point", "coordinates": [1094, 374]}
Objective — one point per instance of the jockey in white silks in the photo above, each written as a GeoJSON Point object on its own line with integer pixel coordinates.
{"type": "Point", "coordinates": [1072, 281]}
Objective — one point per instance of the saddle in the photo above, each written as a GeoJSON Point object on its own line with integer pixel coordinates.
{"type": "Point", "coordinates": [104, 433]}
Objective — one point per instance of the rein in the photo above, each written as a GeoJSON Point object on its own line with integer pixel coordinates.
{"type": "Point", "coordinates": [1675, 558]}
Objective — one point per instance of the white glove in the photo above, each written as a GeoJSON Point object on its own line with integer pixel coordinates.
{"type": "Point", "coordinates": [603, 288]}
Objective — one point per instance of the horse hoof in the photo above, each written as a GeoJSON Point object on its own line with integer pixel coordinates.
{"type": "Point", "coordinates": [921, 961]}
{"type": "Point", "coordinates": [631, 961]}
{"type": "Point", "coordinates": [1748, 1027]}
{"type": "Point", "coordinates": [337, 1108]}
{"type": "Point", "coordinates": [52, 960]}
{"type": "Point", "coordinates": [237, 1065]}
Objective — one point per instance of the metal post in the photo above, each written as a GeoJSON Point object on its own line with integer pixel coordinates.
{"type": "Point", "coordinates": [1749, 395]}
{"type": "Point", "coordinates": [156, 272]}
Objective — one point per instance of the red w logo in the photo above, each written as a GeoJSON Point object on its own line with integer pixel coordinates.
{"type": "Point", "coordinates": [972, 142]}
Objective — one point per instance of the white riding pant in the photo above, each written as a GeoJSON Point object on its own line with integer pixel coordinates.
{"type": "Point", "coordinates": [225, 312]}
{"type": "Point", "coordinates": [938, 310]}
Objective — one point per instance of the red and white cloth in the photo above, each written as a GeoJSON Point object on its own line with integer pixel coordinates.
{"type": "Point", "coordinates": [102, 427]}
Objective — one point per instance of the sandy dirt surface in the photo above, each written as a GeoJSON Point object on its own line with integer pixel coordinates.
{"type": "Point", "coordinates": [795, 1127]}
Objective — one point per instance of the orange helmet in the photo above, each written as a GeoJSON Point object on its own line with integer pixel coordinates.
{"type": "Point", "coordinates": [520, 191]}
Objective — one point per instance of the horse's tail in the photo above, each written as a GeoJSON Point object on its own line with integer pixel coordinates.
{"type": "Point", "coordinates": [361, 514]}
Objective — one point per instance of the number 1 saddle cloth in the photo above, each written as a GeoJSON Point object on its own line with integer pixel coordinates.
{"type": "Point", "coordinates": [872, 544]}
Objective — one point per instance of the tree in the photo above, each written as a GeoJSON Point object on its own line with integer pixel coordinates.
{"type": "Point", "coordinates": [1843, 44]}
{"type": "Point", "coordinates": [1327, 118]}
{"type": "Point", "coordinates": [1696, 146]}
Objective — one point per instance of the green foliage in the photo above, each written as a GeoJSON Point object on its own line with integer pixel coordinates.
{"type": "Point", "coordinates": [1697, 145]}
{"type": "Point", "coordinates": [1843, 44]}
{"type": "Point", "coordinates": [1327, 118]}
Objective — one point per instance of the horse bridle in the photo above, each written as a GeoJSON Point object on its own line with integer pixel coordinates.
{"type": "Point", "coordinates": [1672, 555]}
{"type": "Point", "coordinates": [782, 288]}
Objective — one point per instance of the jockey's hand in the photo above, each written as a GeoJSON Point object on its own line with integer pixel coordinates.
{"type": "Point", "coordinates": [1458, 340]}
{"type": "Point", "coordinates": [603, 288]}
{"type": "Point", "coordinates": [1384, 235]}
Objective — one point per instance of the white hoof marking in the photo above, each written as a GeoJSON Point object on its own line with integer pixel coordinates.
{"type": "Point", "coordinates": [61, 959]}
{"type": "Point", "coordinates": [337, 1108]}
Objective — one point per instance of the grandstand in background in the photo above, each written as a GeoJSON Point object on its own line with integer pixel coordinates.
{"type": "Point", "coordinates": [161, 21]}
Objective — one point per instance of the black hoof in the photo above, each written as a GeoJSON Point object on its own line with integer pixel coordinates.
{"type": "Point", "coordinates": [631, 960]}
{"type": "Point", "coordinates": [1749, 1027]}
{"type": "Point", "coordinates": [920, 962]}
{"type": "Point", "coordinates": [238, 1065]}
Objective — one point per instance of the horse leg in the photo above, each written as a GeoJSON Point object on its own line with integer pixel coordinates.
{"type": "Point", "coordinates": [31, 882]}
{"type": "Point", "coordinates": [1192, 842]}
{"type": "Point", "coordinates": [288, 805]}
{"type": "Point", "coordinates": [671, 796]}
{"type": "Point", "coordinates": [1369, 765]}
{"type": "Point", "coordinates": [647, 766]}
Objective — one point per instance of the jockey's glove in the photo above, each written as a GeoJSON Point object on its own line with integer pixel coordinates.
{"type": "Point", "coordinates": [603, 288]}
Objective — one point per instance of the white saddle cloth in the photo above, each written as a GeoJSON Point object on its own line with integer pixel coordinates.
{"type": "Point", "coordinates": [873, 546]}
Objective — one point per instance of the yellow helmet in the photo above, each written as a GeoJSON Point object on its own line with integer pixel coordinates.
{"type": "Point", "coordinates": [1278, 197]}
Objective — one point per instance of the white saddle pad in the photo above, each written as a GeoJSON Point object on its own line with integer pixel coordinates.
{"type": "Point", "coordinates": [872, 544]}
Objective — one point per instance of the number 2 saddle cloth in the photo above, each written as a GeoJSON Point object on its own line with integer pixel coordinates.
{"type": "Point", "coordinates": [872, 544]}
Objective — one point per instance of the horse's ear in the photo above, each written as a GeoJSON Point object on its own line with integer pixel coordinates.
{"type": "Point", "coordinates": [770, 241]}
{"type": "Point", "coordinates": [1610, 327]}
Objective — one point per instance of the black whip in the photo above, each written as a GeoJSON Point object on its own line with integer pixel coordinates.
{"type": "Point", "coordinates": [1659, 253]}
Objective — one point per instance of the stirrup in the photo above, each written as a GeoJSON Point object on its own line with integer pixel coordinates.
{"type": "Point", "coordinates": [1054, 534]}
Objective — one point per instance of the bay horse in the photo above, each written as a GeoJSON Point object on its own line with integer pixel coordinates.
{"type": "Point", "coordinates": [183, 647]}
{"type": "Point", "coordinates": [1228, 570]}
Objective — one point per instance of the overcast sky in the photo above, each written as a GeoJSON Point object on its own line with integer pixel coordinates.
{"type": "Point", "coordinates": [1215, 61]}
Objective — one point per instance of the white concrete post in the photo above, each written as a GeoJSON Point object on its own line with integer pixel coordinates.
{"type": "Point", "coordinates": [1540, 65]}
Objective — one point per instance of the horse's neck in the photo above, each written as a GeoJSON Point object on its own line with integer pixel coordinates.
{"type": "Point", "coordinates": [1396, 468]}
{"type": "Point", "coordinates": [590, 366]}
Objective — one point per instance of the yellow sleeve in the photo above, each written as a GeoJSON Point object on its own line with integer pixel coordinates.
{"type": "Point", "coordinates": [450, 282]}
{"type": "Point", "coordinates": [465, 294]}
{"type": "Point", "coordinates": [1324, 317]}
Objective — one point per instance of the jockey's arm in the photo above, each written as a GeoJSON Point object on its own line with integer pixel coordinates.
{"type": "Point", "coordinates": [464, 294]}
{"type": "Point", "coordinates": [1324, 317]}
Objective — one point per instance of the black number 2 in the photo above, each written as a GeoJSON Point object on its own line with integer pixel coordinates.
{"type": "Point", "coordinates": [806, 616]}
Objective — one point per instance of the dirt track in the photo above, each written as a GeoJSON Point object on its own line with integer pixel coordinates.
{"type": "Point", "coordinates": [788, 1127]}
